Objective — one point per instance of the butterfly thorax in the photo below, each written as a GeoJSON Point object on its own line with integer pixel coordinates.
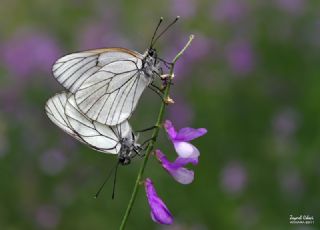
{"type": "Point", "coordinates": [150, 64]}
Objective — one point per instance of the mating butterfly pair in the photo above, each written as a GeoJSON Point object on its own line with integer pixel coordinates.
{"type": "Point", "coordinates": [104, 87]}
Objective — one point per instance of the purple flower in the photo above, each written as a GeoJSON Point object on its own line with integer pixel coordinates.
{"type": "Point", "coordinates": [181, 139]}
{"type": "Point", "coordinates": [96, 34]}
{"type": "Point", "coordinates": [234, 178]}
{"type": "Point", "coordinates": [159, 211]}
{"type": "Point", "coordinates": [200, 49]}
{"type": "Point", "coordinates": [53, 161]}
{"type": "Point", "coordinates": [181, 112]}
{"type": "Point", "coordinates": [294, 7]}
{"type": "Point", "coordinates": [184, 8]}
{"type": "Point", "coordinates": [42, 49]}
{"type": "Point", "coordinates": [47, 216]}
{"type": "Point", "coordinates": [240, 57]}
{"type": "Point", "coordinates": [176, 169]}
{"type": "Point", "coordinates": [229, 11]}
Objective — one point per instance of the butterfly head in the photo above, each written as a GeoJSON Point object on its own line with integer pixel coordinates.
{"type": "Point", "coordinates": [152, 53]}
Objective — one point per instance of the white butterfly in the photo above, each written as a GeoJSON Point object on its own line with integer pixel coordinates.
{"type": "Point", "coordinates": [63, 111]}
{"type": "Point", "coordinates": [107, 83]}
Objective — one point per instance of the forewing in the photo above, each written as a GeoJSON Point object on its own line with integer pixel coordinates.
{"type": "Point", "coordinates": [73, 69]}
{"type": "Point", "coordinates": [111, 95]}
{"type": "Point", "coordinates": [103, 139]}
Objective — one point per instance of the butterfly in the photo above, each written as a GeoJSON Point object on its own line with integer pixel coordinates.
{"type": "Point", "coordinates": [120, 139]}
{"type": "Point", "coordinates": [108, 83]}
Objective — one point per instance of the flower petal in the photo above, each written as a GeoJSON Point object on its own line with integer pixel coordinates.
{"type": "Point", "coordinates": [170, 129]}
{"type": "Point", "coordinates": [186, 150]}
{"type": "Point", "coordinates": [182, 161]}
{"type": "Point", "coordinates": [188, 134]}
{"type": "Point", "coordinates": [176, 169]}
{"type": "Point", "coordinates": [159, 211]}
{"type": "Point", "coordinates": [183, 175]}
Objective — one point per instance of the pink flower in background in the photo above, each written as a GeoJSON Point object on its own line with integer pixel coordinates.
{"type": "Point", "coordinates": [184, 8]}
{"type": "Point", "coordinates": [53, 161]}
{"type": "Point", "coordinates": [285, 123]}
{"type": "Point", "coordinates": [176, 169]}
{"type": "Point", "coordinates": [47, 217]}
{"type": "Point", "coordinates": [181, 139]}
{"type": "Point", "coordinates": [159, 211]}
{"type": "Point", "coordinates": [240, 57]}
{"type": "Point", "coordinates": [99, 35]}
{"type": "Point", "coordinates": [28, 52]}
{"type": "Point", "coordinates": [234, 178]}
{"type": "Point", "coordinates": [291, 183]}
{"type": "Point", "coordinates": [229, 10]}
{"type": "Point", "coordinates": [295, 7]}
{"type": "Point", "coordinates": [201, 48]}
{"type": "Point", "coordinates": [181, 112]}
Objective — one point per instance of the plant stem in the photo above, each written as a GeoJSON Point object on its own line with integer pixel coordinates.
{"type": "Point", "coordinates": [154, 137]}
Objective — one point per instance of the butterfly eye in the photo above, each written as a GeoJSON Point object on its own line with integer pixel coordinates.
{"type": "Point", "coordinates": [151, 52]}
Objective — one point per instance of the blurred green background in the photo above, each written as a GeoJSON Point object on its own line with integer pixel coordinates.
{"type": "Point", "coordinates": [251, 77]}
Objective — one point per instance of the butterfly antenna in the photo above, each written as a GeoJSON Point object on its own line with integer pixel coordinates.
{"type": "Point", "coordinates": [155, 31]}
{"type": "Point", "coordinates": [115, 179]}
{"type": "Point", "coordinates": [165, 30]}
{"type": "Point", "coordinates": [105, 181]}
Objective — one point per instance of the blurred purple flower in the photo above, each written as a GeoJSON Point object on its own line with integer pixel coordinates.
{"type": "Point", "coordinates": [285, 123]}
{"type": "Point", "coordinates": [47, 217]}
{"type": "Point", "coordinates": [64, 193]}
{"type": "Point", "coordinates": [295, 7]}
{"type": "Point", "coordinates": [230, 11]}
{"type": "Point", "coordinates": [27, 52]}
{"type": "Point", "coordinates": [159, 211]}
{"type": "Point", "coordinates": [234, 178]}
{"type": "Point", "coordinates": [53, 161]}
{"type": "Point", "coordinates": [176, 169]}
{"type": "Point", "coordinates": [248, 215]}
{"type": "Point", "coordinates": [181, 112]}
{"type": "Point", "coordinates": [240, 57]}
{"type": "Point", "coordinates": [181, 139]}
{"type": "Point", "coordinates": [291, 183]}
{"type": "Point", "coordinates": [98, 35]}
{"type": "Point", "coordinates": [201, 47]}
{"type": "Point", "coordinates": [184, 8]}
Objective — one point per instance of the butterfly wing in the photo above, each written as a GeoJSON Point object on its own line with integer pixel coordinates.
{"type": "Point", "coordinates": [62, 111]}
{"type": "Point", "coordinates": [107, 83]}
{"type": "Point", "coordinates": [71, 70]}
{"type": "Point", "coordinates": [55, 111]}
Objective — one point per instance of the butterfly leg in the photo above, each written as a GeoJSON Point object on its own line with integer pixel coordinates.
{"type": "Point", "coordinates": [138, 151]}
{"type": "Point", "coordinates": [147, 142]}
{"type": "Point", "coordinates": [147, 129]}
{"type": "Point", "coordinates": [158, 92]}
{"type": "Point", "coordinates": [167, 64]}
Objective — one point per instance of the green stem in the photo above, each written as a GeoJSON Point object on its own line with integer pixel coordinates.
{"type": "Point", "coordinates": [154, 138]}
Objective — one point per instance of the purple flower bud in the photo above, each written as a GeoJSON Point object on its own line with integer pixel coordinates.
{"type": "Point", "coordinates": [159, 211]}
{"type": "Point", "coordinates": [176, 169]}
{"type": "Point", "coordinates": [181, 139]}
